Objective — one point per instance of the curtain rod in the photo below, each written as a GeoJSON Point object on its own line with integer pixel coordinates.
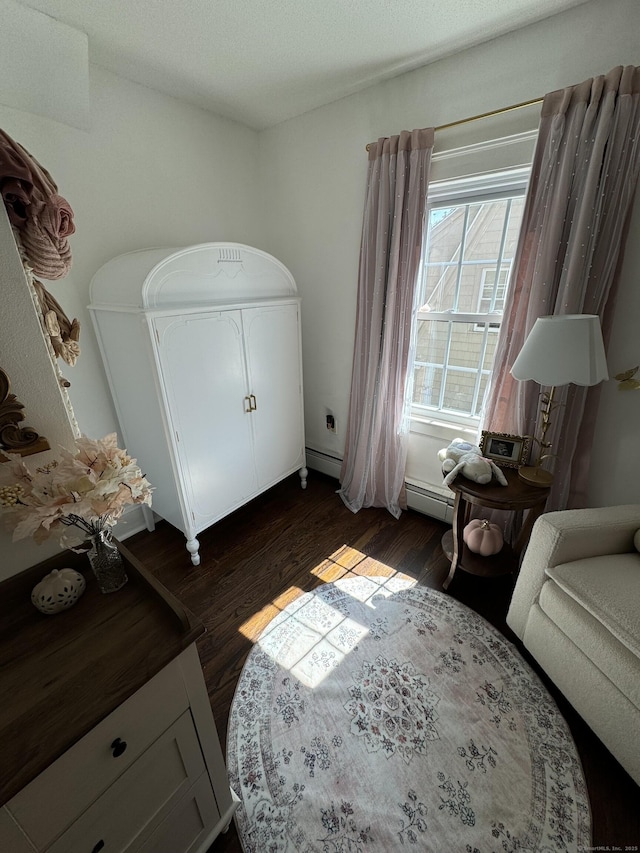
{"type": "Point", "coordinates": [481, 115]}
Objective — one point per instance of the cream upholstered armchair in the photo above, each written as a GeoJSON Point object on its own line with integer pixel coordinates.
{"type": "Point", "coordinates": [576, 608]}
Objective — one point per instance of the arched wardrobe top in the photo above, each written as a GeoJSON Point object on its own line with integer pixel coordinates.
{"type": "Point", "coordinates": [204, 274]}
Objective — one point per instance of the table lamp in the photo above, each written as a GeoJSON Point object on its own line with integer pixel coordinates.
{"type": "Point", "coordinates": [559, 350]}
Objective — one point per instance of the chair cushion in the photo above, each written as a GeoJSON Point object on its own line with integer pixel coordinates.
{"type": "Point", "coordinates": [608, 588]}
{"type": "Point", "coordinates": [607, 653]}
{"type": "Point", "coordinates": [636, 540]}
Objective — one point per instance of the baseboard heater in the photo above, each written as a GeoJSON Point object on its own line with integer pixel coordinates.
{"type": "Point", "coordinates": [423, 500]}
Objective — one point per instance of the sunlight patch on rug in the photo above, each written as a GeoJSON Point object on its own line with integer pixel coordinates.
{"type": "Point", "coordinates": [344, 561]}
{"type": "Point", "coordinates": [312, 636]}
{"type": "Point", "coordinates": [374, 714]}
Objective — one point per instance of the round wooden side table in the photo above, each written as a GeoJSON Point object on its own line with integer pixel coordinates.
{"type": "Point", "coordinates": [516, 495]}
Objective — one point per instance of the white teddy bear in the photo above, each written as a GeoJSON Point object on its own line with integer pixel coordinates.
{"type": "Point", "coordinates": [467, 459]}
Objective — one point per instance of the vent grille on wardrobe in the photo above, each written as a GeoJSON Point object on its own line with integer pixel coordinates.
{"type": "Point", "coordinates": [226, 256]}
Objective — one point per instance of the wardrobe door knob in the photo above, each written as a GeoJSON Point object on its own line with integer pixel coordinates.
{"type": "Point", "coordinates": [98, 846]}
{"type": "Point", "coordinates": [118, 747]}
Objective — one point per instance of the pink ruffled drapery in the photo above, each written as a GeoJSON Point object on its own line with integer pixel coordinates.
{"type": "Point", "coordinates": [42, 217]}
{"type": "Point", "coordinates": [569, 256]}
{"type": "Point", "coordinates": [376, 441]}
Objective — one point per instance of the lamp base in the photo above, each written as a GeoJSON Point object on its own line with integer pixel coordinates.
{"type": "Point", "coordinates": [535, 476]}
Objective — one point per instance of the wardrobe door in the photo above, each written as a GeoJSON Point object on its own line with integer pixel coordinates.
{"type": "Point", "coordinates": [272, 341]}
{"type": "Point", "coordinates": [204, 375]}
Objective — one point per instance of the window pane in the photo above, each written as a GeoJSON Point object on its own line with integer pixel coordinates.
{"type": "Point", "coordinates": [446, 227]}
{"type": "Point", "coordinates": [484, 231]}
{"type": "Point", "coordinates": [427, 381]}
{"type": "Point", "coordinates": [464, 241]}
{"type": "Point", "coordinates": [492, 292]}
{"type": "Point", "coordinates": [469, 252]}
{"type": "Point", "coordinates": [431, 343]}
{"type": "Point", "coordinates": [492, 341]}
{"type": "Point", "coordinates": [513, 227]}
{"type": "Point", "coordinates": [458, 391]}
{"type": "Point", "coordinates": [466, 346]}
{"type": "Point", "coordinates": [484, 381]}
{"type": "Point", "coordinates": [469, 286]}
{"type": "Point", "coordinates": [482, 244]}
{"type": "Point", "coordinates": [431, 349]}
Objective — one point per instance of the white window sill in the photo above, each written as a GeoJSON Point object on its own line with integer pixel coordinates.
{"type": "Point", "coordinates": [445, 430]}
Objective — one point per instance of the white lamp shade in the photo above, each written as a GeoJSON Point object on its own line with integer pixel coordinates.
{"type": "Point", "coordinates": [563, 349]}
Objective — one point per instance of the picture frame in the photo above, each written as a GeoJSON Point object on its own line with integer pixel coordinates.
{"type": "Point", "coordinates": [505, 449]}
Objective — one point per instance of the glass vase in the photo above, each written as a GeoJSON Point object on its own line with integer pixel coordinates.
{"type": "Point", "coordinates": [106, 562]}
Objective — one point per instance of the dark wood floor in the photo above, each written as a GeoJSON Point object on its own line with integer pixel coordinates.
{"type": "Point", "coordinates": [287, 541]}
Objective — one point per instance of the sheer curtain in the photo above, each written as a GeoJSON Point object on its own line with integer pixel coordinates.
{"type": "Point", "coordinates": [570, 250]}
{"type": "Point", "coordinates": [376, 439]}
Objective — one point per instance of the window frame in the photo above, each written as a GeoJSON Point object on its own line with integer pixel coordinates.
{"type": "Point", "coordinates": [488, 187]}
{"type": "Point", "coordinates": [504, 268]}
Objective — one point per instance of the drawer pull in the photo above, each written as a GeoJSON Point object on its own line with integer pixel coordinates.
{"type": "Point", "coordinates": [98, 846]}
{"type": "Point", "coordinates": [118, 747]}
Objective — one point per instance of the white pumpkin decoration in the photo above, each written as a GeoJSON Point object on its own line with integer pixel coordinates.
{"type": "Point", "coordinates": [57, 591]}
{"type": "Point", "coordinates": [482, 537]}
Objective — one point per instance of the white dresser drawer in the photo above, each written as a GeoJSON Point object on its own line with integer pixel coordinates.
{"type": "Point", "coordinates": [53, 800]}
{"type": "Point", "coordinates": [187, 826]}
{"type": "Point", "coordinates": [141, 798]}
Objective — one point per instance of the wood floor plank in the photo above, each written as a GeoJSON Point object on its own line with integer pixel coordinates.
{"type": "Point", "coordinates": [288, 541]}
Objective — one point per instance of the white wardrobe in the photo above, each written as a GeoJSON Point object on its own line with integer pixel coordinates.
{"type": "Point", "coordinates": [202, 352]}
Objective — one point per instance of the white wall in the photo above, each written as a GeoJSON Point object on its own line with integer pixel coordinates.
{"type": "Point", "coordinates": [313, 171]}
{"type": "Point", "coordinates": [46, 74]}
{"type": "Point", "coordinates": [151, 171]}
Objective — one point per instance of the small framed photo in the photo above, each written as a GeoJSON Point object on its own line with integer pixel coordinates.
{"type": "Point", "coordinates": [507, 451]}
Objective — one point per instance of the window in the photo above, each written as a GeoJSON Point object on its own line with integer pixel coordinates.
{"type": "Point", "coordinates": [470, 240]}
{"type": "Point", "coordinates": [492, 296]}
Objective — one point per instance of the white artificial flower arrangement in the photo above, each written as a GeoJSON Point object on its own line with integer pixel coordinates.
{"type": "Point", "coordinates": [86, 490]}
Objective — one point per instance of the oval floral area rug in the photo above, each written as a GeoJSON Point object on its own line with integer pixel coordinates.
{"type": "Point", "coordinates": [373, 715]}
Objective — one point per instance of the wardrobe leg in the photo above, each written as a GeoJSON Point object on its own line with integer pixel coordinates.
{"type": "Point", "coordinates": [193, 547]}
{"type": "Point", "coordinates": [303, 472]}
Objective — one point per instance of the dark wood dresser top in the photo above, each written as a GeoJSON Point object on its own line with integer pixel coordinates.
{"type": "Point", "coordinates": [61, 674]}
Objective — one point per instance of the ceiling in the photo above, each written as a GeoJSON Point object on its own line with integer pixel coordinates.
{"type": "Point", "coordinates": [260, 62]}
